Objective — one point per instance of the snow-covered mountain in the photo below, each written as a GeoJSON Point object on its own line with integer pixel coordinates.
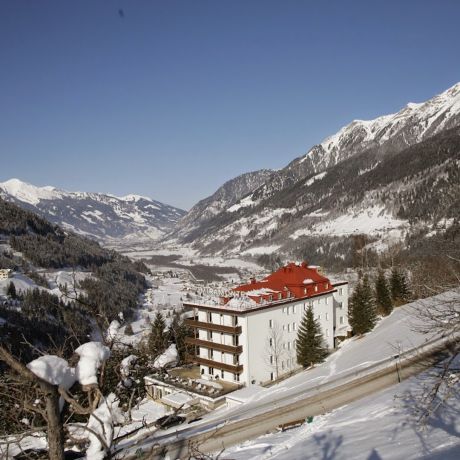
{"type": "Point", "coordinates": [224, 197]}
{"type": "Point", "coordinates": [101, 216]}
{"type": "Point", "coordinates": [374, 177]}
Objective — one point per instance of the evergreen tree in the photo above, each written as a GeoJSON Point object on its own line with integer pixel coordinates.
{"type": "Point", "coordinates": [129, 329]}
{"type": "Point", "coordinates": [399, 286]}
{"type": "Point", "coordinates": [11, 291]}
{"type": "Point", "coordinates": [310, 343]}
{"type": "Point", "coordinates": [158, 339]}
{"type": "Point", "coordinates": [361, 310]}
{"type": "Point", "coordinates": [382, 295]}
{"type": "Point", "coordinates": [178, 332]}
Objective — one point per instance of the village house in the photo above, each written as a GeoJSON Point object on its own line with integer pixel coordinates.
{"type": "Point", "coordinates": [248, 334]}
{"type": "Point", "coordinates": [5, 273]}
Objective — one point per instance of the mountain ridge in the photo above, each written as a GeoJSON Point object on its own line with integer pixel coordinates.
{"type": "Point", "coordinates": [102, 216]}
{"type": "Point", "coordinates": [281, 205]}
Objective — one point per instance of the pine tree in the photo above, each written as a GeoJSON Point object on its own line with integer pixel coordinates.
{"type": "Point", "coordinates": [382, 295]}
{"type": "Point", "coordinates": [11, 291]}
{"type": "Point", "coordinates": [310, 343]}
{"type": "Point", "coordinates": [361, 310]}
{"type": "Point", "coordinates": [399, 286]}
{"type": "Point", "coordinates": [158, 339]}
{"type": "Point", "coordinates": [178, 332]}
{"type": "Point", "coordinates": [129, 330]}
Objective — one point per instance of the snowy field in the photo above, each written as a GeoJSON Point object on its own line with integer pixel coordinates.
{"type": "Point", "coordinates": [379, 426]}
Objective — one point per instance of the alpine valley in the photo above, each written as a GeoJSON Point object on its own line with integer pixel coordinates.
{"type": "Point", "coordinates": [385, 181]}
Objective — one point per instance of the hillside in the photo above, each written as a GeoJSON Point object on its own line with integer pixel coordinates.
{"type": "Point", "coordinates": [106, 285]}
{"type": "Point", "coordinates": [100, 216]}
{"type": "Point", "coordinates": [385, 178]}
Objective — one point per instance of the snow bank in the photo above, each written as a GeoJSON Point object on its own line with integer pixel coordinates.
{"type": "Point", "coordinates": [92, 356]}
{"type": "Point", "coordinates": [168, 357]}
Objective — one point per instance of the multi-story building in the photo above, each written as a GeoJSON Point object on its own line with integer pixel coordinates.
{"type": "Point", "coordinates": [249, 334]}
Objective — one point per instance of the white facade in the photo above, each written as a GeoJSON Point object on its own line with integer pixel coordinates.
{"type": "Point", "coordinates": [257, 345]}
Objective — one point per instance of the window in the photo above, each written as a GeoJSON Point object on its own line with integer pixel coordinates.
{"type": "Point", "coordinates": [284, 345]}
{"type": "Point", "coordinates": [270, 323]}
{"type": "Point", "coordinates": [235, 320]}
{"type": "Point", "coordinates": [326, 285]}
{"type": "Point", "coordinates": [316, 288]}
{"type": "Point", "coordinates": [284, 327]}
{"type": "Point", "coordinates": [293, 326]}
{"type": "Point", "coordinates": [293, 309]}
{"type": "Point", "coordinates": [327, 300]}
{"type": "Point", "coordinates": [209, 317]}
{"type": "Point", "coordinates": [222, 374]}
{"type": "Point", "coordinates": [271, 359]}
{"type": "Point", "coordinates": [319, 317]}
{"type": "Point", "coordinates": [341, 320]}
{"type": "Point", "coordinates": [202, 370]}
{"type": "Point", "coordinates": [289, 328]}
{"type": "Point", "coordinates": [341, 305]}
{"type": "Point", "coordinates": [284, 309]}
{"type": "Point", "coordinates": [327, 332]}
{"type": "Point", "coordinates": [294, 343]}
{"type": "Point", "coordinates": [305, 291]}
{"type": "Point", "coordinates": [289, 345]}
{"type": "Point", "coordinates": [221, 318]}
{"type": "Point", "coordinates": [236, 377]}
{"type": "Point", "coordinates": [211, 371]}
{"type": "Point", "coordinates": [280, 296]}
{"type": "Point", "coordinates": [340, 291]}
{"type": "Point", "coordinates": [305, 307]}
{"type": "Point", "coordinates": [209, 335]}
{"type": "Point", "coordinates": [271, 342]}
{"type": "Point", "coordinates": [287, 310]}
{"type": "Point", "coordinates": [319, 301]}
{"type": "Point", "coordinates": [210, 353]}
{"type": "Point", "coordinates": [282, 364]}
{"type": "Point", "coordinates": [271, 376]}
{"type": "Point", "coordinates": [327, 316]}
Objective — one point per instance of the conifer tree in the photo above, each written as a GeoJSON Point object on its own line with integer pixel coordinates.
{"type": "Point", "coordinates": [310, 342]}
{"type": "Point", "coordinates": [382, 295]}
{"type": "Point", "coordinates": [361, 311]}
{"type": "Point", "coordinates": [158, 339]}
{"type": "Point", "coordinates": [178, 331]}
{"type": "Point", "coordinates": [399, 286]}
{"type": "Point", "coordinates": [11, 291]}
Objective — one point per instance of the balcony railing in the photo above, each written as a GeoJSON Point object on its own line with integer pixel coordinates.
{"type": "Point", "coordinates": [215, 346]}
{"type": "Point", "coordinates": [213, 326]}
{"type": "Point", "coordinates": [236, 369]}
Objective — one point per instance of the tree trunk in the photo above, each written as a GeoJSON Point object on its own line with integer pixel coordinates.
{"type": "Point", "coordinates": [55, 429]}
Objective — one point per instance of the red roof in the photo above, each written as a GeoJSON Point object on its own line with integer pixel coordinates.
{"type": "Point", "coordinates": [292, 280]}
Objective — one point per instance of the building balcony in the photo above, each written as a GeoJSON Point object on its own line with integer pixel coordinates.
{"type": "Point", "coordinates": [236, 369]}
{"type": "Point", "coordinates": [235, 349]}
{"type": "Point", "coordinates": [213, 326]}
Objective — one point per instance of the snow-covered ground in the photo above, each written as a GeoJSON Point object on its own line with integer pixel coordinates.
{"type": "Point", "coordinates": [379, 426]}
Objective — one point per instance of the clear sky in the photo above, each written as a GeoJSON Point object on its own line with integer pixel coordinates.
{"type": "Point", "coordinates": [170, 99]}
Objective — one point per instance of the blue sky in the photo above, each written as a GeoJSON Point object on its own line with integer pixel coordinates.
{"type": "Point", "coordinates": [177, 97]}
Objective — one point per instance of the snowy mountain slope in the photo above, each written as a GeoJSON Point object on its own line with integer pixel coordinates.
{"type": "Point", "coordinates": [98, 215]}
{"type": "Point", "coordinates": [373, 177]}
{"type": "Point", "coordinates": [224, 197]}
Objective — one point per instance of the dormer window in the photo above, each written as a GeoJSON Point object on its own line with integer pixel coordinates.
{"type": "Point", "coordinates": [326, 285]}
{"type": "Point", "coordinates": [316, 288]}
